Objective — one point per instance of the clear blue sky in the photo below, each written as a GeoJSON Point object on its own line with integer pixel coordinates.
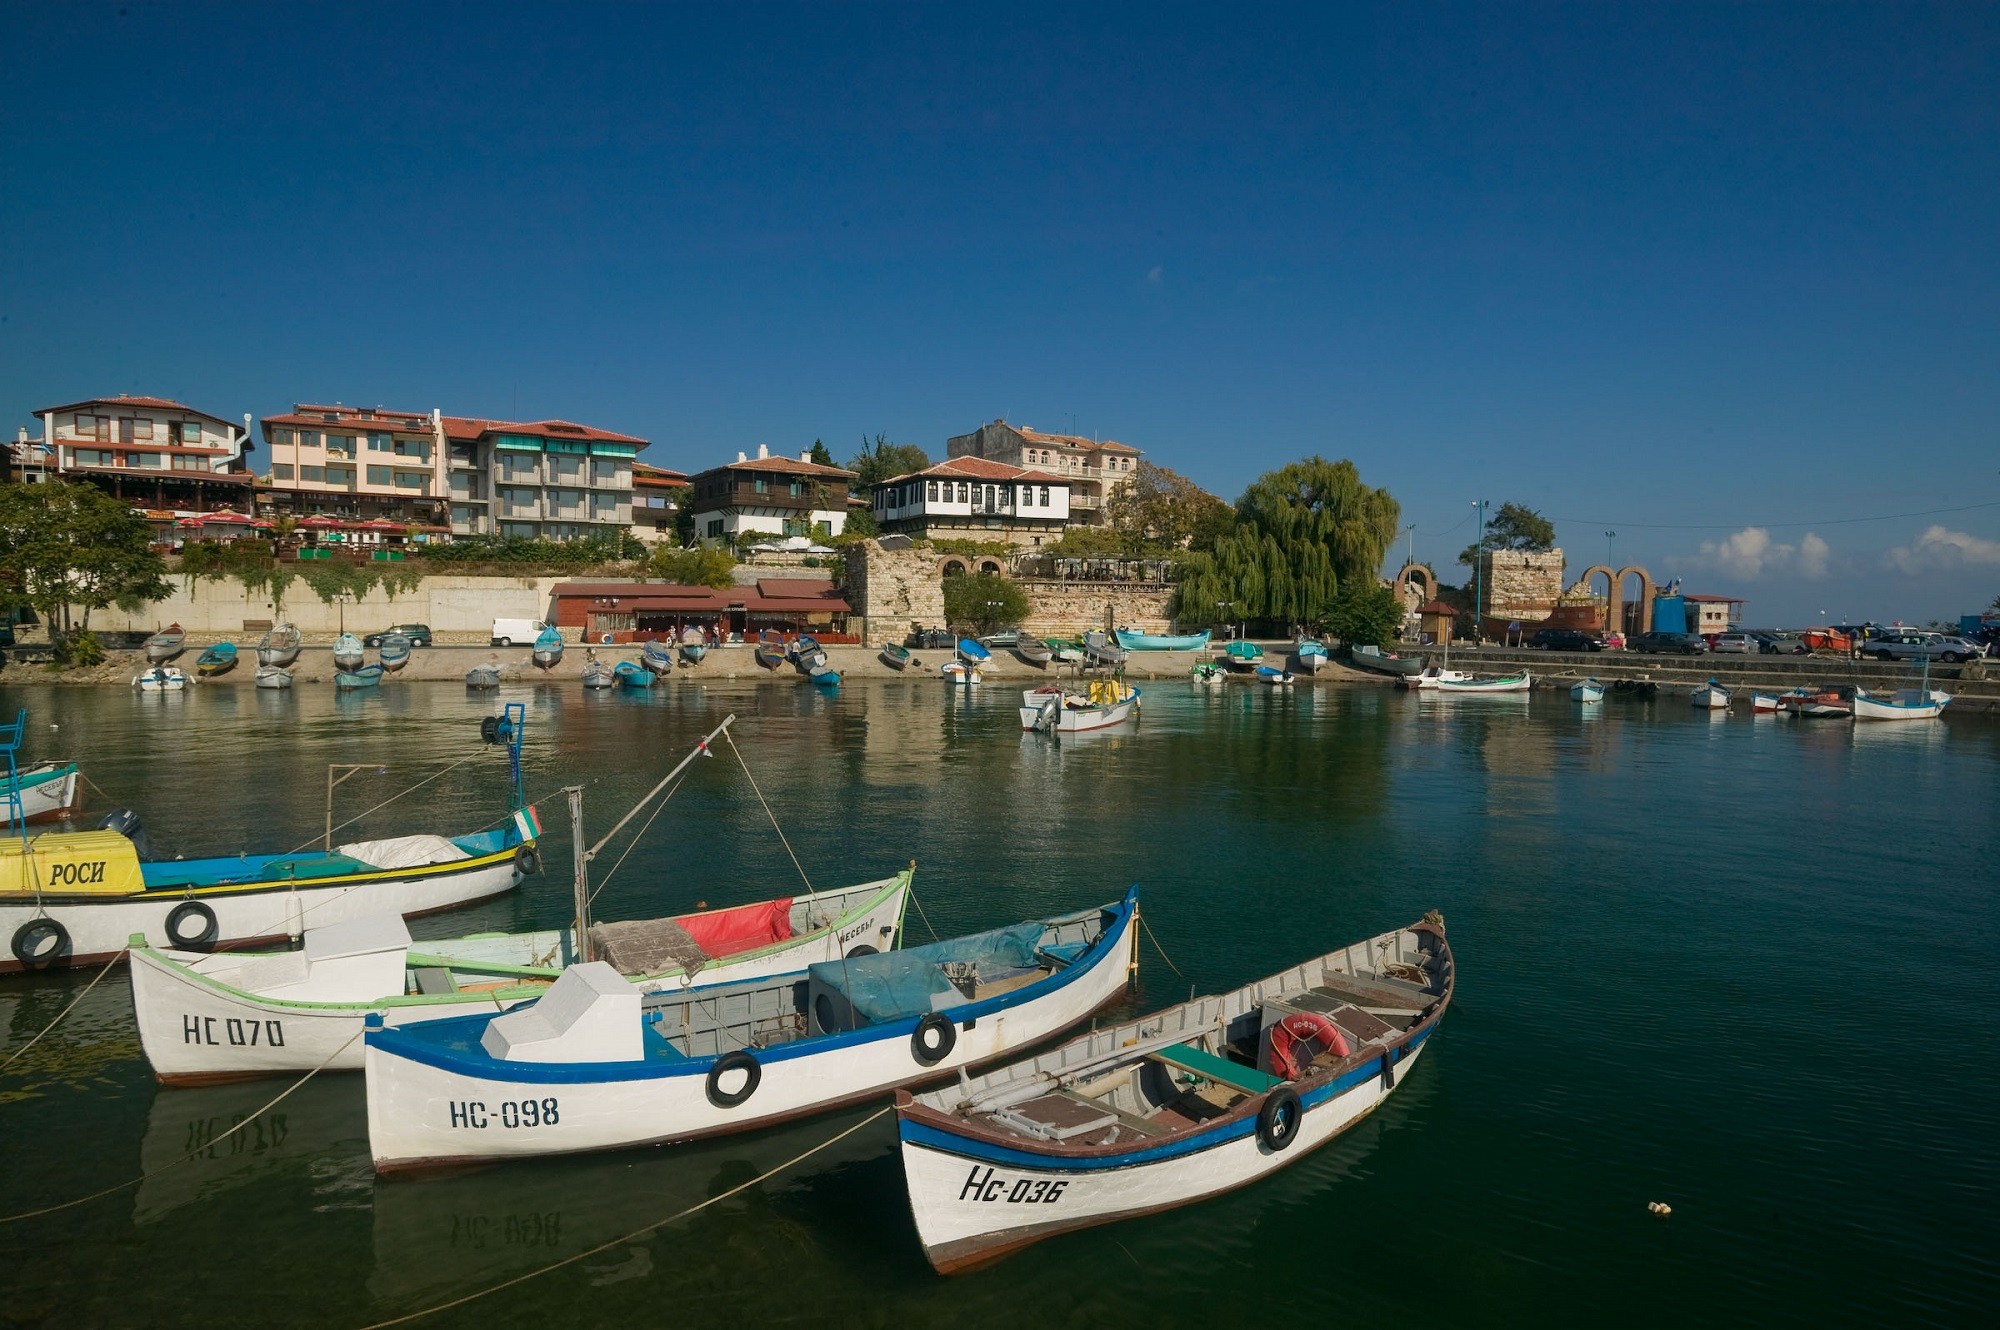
{"type": "Point", "coordinates": [1675, 270]}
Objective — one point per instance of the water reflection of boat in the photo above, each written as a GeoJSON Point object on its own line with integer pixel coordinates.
{"type": "Point", "coordinates": [317, 1136]}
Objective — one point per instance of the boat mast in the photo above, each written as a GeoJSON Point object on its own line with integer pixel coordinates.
{"type": "Point", "coordinates": [580, 864]}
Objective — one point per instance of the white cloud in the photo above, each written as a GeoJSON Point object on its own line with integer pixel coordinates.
{"type": "Point", "coordinates": [1937, 548]}
{"type": "Point", "coordinates": [1156, 275]}
{"type": "Point", "coordinates": [1751, 552]}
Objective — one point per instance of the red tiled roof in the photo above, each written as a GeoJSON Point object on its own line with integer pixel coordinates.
{"type": "Point", "coordinates": [1435, 607]}
{"type": "Point", "coordinates": [787, 465]}
{"type": "Point", "coordinates": [1072, 440]}
{"type": "Point", "coordinates": [666, 477]}
{"type": "Point", "coordinates": [314, 417]}
{"type": "Point", "coordinates": [139, 403]}
{"type": "Point", "coordinates": [795, 587]}
{"type": "Point", "coordinates": [980, 468]}
{"type": "Point", "coordinates": [673, 597]}
{"type": "Point", "coordinates": [473, 427]}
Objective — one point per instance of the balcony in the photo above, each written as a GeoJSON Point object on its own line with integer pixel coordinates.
{"type": "Point", "coordinates": [1079, 502]}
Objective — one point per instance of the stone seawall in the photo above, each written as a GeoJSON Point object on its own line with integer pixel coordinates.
{"type": "Point", "coordinates": [458, 608]}
{"type": "Point", "coordinates": [1065, 609]}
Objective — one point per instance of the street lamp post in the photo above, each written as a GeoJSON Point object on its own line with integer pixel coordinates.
{"type": "Point", "coordinates": [1610, 561]}
{"type": "Point", "coordinates": [1479, 577]}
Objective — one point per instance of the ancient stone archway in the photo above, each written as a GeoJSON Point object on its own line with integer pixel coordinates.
{"type": "Point", "coordinates": [989, 564]}
{"type": "Point", "coordinates": [1622, 612]}
{"type": "Point", "coordinates": [952, 566]}
{"type": "Point", "coordinates": [1407, 589]}
{"type": "Point", "coordinates": [1642, 620]}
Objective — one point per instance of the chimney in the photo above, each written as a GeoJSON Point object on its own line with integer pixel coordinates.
{"type": "Point", "coordinates": [741, 456]}
{"type": "Point", "coordinates": [806, 455]}
{"type": "Point", "coordinates": [763, 451]}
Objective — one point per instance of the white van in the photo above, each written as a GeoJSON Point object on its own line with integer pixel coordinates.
{"type": "Point", "coordinates": [512, 632]}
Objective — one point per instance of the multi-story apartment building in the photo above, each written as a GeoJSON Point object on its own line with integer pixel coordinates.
{"type": "Point", "coordinates": [656, 495]}
{"type": "Point", "coordinates": [359, 463]}
{"type": "Point", "coordinates": [969, 498]}
{"type": "Point", "coordinates": [160, 454]}
{"type": "Point", "coordinates": [1096, 468]}
{"type": "Point", "coordinates": [547, 479]}
{"type": "Point", "coordinates": [766, 495]}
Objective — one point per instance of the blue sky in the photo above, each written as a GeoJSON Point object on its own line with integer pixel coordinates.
{"type": "Point", "coordinates": [1719, 278]}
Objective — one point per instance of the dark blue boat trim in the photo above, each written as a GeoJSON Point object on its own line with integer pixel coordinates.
{"type": "Point", "coordinates": [981, 1151]}
{"type": "Point", "coordinates": [405, 1043]}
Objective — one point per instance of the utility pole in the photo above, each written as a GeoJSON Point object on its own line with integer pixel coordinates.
{"type": "Point", "coordinates": [1479, 577]}
{"type": "Point", "coordinates": [1610, 561]}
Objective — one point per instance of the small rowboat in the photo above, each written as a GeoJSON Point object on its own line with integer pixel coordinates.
{"type": "Point", "coordinates": [347, 653]}
{"type": "Point", "coordinates": [959, 674]}
{"type": "Point", "coordinates": [166, 644]}
{"type": "Point", "coordinates": [635, 676]}
{"type": "Point", "coordinates": [1711, 696]}
{"type": "Point", "coordinates": [1133, 641]}
{"type": "Point", "coordinates": [1811, 702]}
{"type": "Point", "coordinates": [1903, 704]}
{"type": "Point", "coordinates": [771, 648]}
{"type": "Point", "coordinates": [1209, 674]}
{"type": "Point", "coordinates": [894, 656]}
{"type": "Point", "coordinates": [368, 676]}
{"type": "Point", "coordinates": [1243, 656]}
{"type": "Point", "coordinates": [804, 646]}
{"type": "Point", "coordinates": [218, 659]}
{"type": "Point", "coordinates": [1102, 649]}
{"type": "Point", "coordinates": [1484, 683]}
{"type": "Point", "coordinates": [1763, 702]}
{"type": "Point", "coordinates": [315, 1009]}
{"type": "Point", "coordinates": [1374, 659]}
{"type": "Point", "coordinates": [808, 661]}
{"type": "Point", "coordinates": [1173, 1108]}
{"type": "Point", "coordinates": [160, 679]}
{"type": "Point", "coordinates": [972, 653]}
{"type": "Point", "coordinates": [596, 674]}
{"type": "Point", "coordinates": [280, 646]}
{"type": "Point", "coordinates": [1272, 675]}
{"type": "Point", "coordinates": [273, 676]}
{"type": "Point", "coordinates": [482, 678]}
{"type": "Point", "coordinates": [1590, 690]}
{"type": "Point", "coordinates": [1108, 702]}
{"type": "Point", "coordinates": [1034, 650]}
{"type": "Point", "coordinates": [824, 675]}
{"type": "Point", "coordinates": [548, 651]}
{"type": "Point", "coordinates": [1065, 651]}
{"type": "Point", "coordinates": [49, 790]}
{"type": "Point", "coordinates": [394, 653]}
{"type": "Point", "coordinates": [1312, 655]}
{"type": "Point", "coordinates": [604, 1074]}
{"type": "Point", "coordinates": [658, 657]}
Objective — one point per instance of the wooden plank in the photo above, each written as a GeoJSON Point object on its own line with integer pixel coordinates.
{"type": "Point", "coordinates": [1220, 1070]}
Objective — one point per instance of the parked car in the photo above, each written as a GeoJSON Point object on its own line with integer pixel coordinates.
{"type": "Point", "coordinates": [418, 633]}
{"type": "Point", "coordinates": [930, 639]}
{"type": "Point", "coordinates": [1734, 644]}
{"type": "Point", "coordinates": [1669, 644]}
{"type": "Point", "coordinates": [1908, 644]}
{"type": "Point", "coordinates": [1006, 637]}
{"type": "Point", "coordinates": [1565, 639]}
{"type": "Point", "coordinates": [510, 632]}
{"type": "Point", "coordinates": [1779, 644]}
{"type": "Point", "coordinates": [1614, 641]}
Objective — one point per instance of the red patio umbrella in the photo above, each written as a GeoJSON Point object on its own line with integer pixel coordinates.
{"type": "Point", "coordinates": [319, 523]}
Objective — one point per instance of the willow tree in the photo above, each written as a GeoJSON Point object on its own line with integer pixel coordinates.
{"type": "Point", "coordinates": [1300, 532]}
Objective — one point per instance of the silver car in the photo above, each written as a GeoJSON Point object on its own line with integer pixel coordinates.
{"type": "Point", "coordinates": [1741, 644]}
{"type": "Point", "coordinates": [1908, 644]}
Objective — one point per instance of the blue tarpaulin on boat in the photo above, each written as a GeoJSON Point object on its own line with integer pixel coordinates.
{"type": "Point", "coordinates": [901, 983]}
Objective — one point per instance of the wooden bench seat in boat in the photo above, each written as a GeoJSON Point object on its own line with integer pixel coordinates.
{"type": "Point", "coordinates": [435, 981]}
{"type": "Point", "coordinates": [1383, 994]}
{"type": "Point", "coordinates": [1360, 1026]}
{"type": "Point", "coordinates": [1186, 1057]}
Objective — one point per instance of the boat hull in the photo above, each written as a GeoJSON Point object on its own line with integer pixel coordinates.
{"type": "Point", "coordinates": [49, 791]}
{"type": "Point", "coordinates": [480, 679]}
{"type": "Point", "coordinates": [368, 676]}
{"type": "Point", "coordinates": [1868, 706]}
{"type": "Point", "coordinates": [1587, 692]}
{"type": "Point", "coordinates": [161, 679]}
{"type": "Point", "coordinates": [1078, 720]}
{"type": "Point", "coordinates": [273, 676]}
{"type": "Point", "coordinates": [418, 1112]}
{"type": "Point", "coordinates": [1445, 684]}
{"type": "Point", "coordinates": [1132, 641]}
{"type": "Point", "coordinates": [179, 1009]}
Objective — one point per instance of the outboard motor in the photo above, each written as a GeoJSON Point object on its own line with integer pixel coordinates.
{"type": "Point", "coordinates": [125, 821]}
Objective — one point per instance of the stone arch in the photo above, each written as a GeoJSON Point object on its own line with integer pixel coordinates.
{"type": "Point", "coordinates": [1636, 612]}
{"type": "Point", "coordinates": [1583, 589]}
{"type": "Point", "coordinates": [1406, 589]}
{"type": "Point", "coordinates": [952, 565]}
{"type": "Point", "coordinates": [988, 564]}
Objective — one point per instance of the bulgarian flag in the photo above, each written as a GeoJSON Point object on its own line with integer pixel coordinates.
{"type": "Point", "coordinates": [527, 824]}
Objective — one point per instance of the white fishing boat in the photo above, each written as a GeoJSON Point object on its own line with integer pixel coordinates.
{"type": "Point", "coordinates": [1903, 704]}
{"type": "Point", "coordinates": [347, 652]}
{"type": "Point", "coordinates": [306, 1007]}
{"type": "Point", "coordinates": [1272, 675]}
{"type": "Point", "coordinates": [160, 679]}
{"type": "Point", "coordinates": [1711, 696]}
{"type": "Point", "coordinates": [958, 673]}
{"type": "Point", "coordinates": [1450, 681]}
{"type": "Point", "coordinates": [598, 1065]}
{"type": "Point", "coordinates": [1312, 655]}
{"type": "Point", "coordinates": [596, 674]}
{"type": "Point", "coordinates": [165, 644]}
{"type": "Point", "coordinates": [273, 676]}
{"type": "Point", "coordinates": [280, 646]}
{"type": "Point", "coordinates": [1104, 703]}
{"type": "Point", "coordinates": [48, 791]}
{"type": "Point", "coordinates": [1174, 1108]}
{"type": "Point", "coordinates": [1763, 703]}
{"type": "Point", "coordinates": [1589, 690]}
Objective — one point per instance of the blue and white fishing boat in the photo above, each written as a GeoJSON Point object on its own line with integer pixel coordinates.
{"type": "Point", "coordinates": [347, 652]}
{"type": "Point", "coordinates": [1920, 703]}
{"type": "Point", "coordinates": [972, 653]}
{"type": "Point", "coordinates": [1136, 641]}
{"type": "Point", "coordinates": [368, 676]}
{"type": "Point", "coordinates": [1171, 1109]}
{"type": "Point", "coordinates": [40, 793]}
{"type": "Point", "coordinates": [548, 648]}
{"type": "Point", "coordinates": [657, 657]}
{"type": "Point", "coordinates": [1312, 655]}
{"type": "Point", "coordinates": [1270, 674]}
{"type": "Point", "coordinates": [1589, 690]}
{"type": "Point", "coordinates": [1711, 696]}
{"type": "Point", "coordinates": [1243, 657]}
{"type": "Point", "coordinates": [597, 1065]}
{"type": "Point", "coordinates": [394, 653]}
{"type": "Point", "coordinates": [161, 679]}
{"type": "Point", "coordinates": [218, 659]}
{"type": "Point", "coordinates": [598, 675]}
{"type": "Point", "coordinates": [635, 676]}
{"type": "Point", "coordinates": [804, 647]}
{"type": "Point", "coordinates": [824, 675]}
{"type": "Point", "coordinates": [694, 645]}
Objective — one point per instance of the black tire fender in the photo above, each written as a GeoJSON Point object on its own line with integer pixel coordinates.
{"type": "Point", "coordinates": [1278, 1120]}
{"type": "Point", "coordinates": [489, 729]}
{"type": "Point", "coordinates": [202, 937]}
{"type": "Point", "coordinates": [27, 939]}
{"type": "Point", "coordinates": [859, 949]}
{"type": "Point", "coordinates": [734, 1060]}
{"type": "Point", "coordinates": [933, 1039]}
{"type": "Point", "coordinates": [527, 861]}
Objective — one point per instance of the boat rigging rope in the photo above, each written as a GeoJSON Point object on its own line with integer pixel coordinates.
{"type": "Point", "coordinates": [912, 890]}
{"type": "Point", "coordinates": [474, 756]}
{"type": "Point", "coordinates": [15, 1055]}
{"type": "Point", "coordinates": [635, 1234]}
{"type": "Point", "coordinates": [1157, 947]}
{"type": "Point", "coordinates": [201, 1149]}
{"type": "Point", "coordinates": [767, 811]}
{"type": "Point", "coordinates": [638, 836]}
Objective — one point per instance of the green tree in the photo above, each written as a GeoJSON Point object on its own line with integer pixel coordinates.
{"type": "Point", "coordinates": [820, 455]}
{"type": "Point", "coordinates": [882, 460]}
{"type": "Point", "coordinates": [704, 565]}
{"type": "Point", "coordinates": [1164, 510]}
{"type": "Point", "coordinates": [985, 601]}
{"type": "Point", "coordinates": [861, 523]}
{"type": "Point", "coordinates": [1365, 614]}
{"type": "Point", "coordinates": [66, 547]}
{"type": "Point", "coordinates": [684, 516]}
{"type": "Point", "coordinates": [1514, 527]}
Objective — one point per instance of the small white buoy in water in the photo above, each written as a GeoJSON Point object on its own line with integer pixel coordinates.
{"type": "Point", "coordinates": [1660, 1208]}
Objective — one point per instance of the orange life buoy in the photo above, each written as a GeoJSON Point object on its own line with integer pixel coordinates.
{"type": "Point", "coordinates": [1299, 1038]}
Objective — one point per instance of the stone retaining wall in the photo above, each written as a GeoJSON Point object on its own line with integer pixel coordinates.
{"type": "Point", "coordinates": [458, 607]}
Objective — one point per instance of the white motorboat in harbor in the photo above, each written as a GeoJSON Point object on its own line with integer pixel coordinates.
{"type": "Point", "coordinates": [1106, 702]}
{"type": "Point", "coordinates": [958, 673]}
{"type": "Point", "coordinates": [160, 679]}
{"type": "Point", "coordinates": [1589, 690]}
{"type": "Point", "coordinates": [1903, 704]}
{"type": "Point", "coordinates": [1711, 696]}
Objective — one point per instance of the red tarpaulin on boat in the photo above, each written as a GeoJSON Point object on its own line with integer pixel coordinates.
{"type": "Point", "coordinates": [745, 928]}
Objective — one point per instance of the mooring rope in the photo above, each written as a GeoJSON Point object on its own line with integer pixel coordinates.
{"type": "Point", "coordinates": [15, 1055]}
{"type": "Point", "coordinates": [767, 811]}
{"type": "Point", "coordinates": [204, 1148]}
{"type": "Point", "coordinates": [1157, 947]}
{"type": "Point", "coordinates": [472, 757]}
{"type": "Point", "coordinates": [638, 836]}
{"type": "Point", "coordinates": [635, 1234]}
{"type": "Point", "coordinates": [912, 890]}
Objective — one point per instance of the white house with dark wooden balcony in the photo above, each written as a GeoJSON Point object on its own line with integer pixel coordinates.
{"type": "Point", "coordinates": [969, 498]}
{"type": "Point", "coordinates": [767, 495]}
{"type": "Point", "coordinates": [1096, 469]}
{"type": "Point", "coordinates": [161, 455]}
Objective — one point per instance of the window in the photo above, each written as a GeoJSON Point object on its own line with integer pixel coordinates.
{"type": "Point", "coordinates": [153, 461]}
{"type": "Point", "coordinates": [313, 475]}
{"type": "Point", "coordinates": [1045, 496]}
{"type": "Point", "coordinates": [281, 437]}
{"type": "Point", "coordinates": [92, 427]}
{"type": "Point", "coordinates": [340, 445]}
{"type": "Point", "coordinates": [378, 443]}
{"type": "Point", "coordinates": [281, 470]}
{"type": "Point", "coordinates": [308, 438]}
{"type": "Point", "coordinates": [191, 431]}
{"type": "Point", "coordinates": [413, 480]}
{"type": "Point", "coordinates": [714, 528]}
{"type": "Point", "coordinates": [378, 475]}
{"type": "Point", "coordinates": [964, 492]}
{"type": "Point", "coordinates": [933, 491]}
{"type": "Point", "coordinates": [340, 476]}
{"type": "Point", "coordinates": [796, 489]}
{"type": "Point", "coordinates": [140, 429]}
{"type": "Point", "coordinates": [762, 485]}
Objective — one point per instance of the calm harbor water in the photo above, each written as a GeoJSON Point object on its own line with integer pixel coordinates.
{"type": "Point", "coordinates": [1741, 966]}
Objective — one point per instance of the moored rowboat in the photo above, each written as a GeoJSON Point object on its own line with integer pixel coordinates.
{"type": "Point", "coordinates": [166, 644]}
{"type": "Point", "coordinates": [895, 656]}
{"type": "Point", "coordinates": [49, 790]}
{"type": "Point", "coordinates": [368, 676]}
{"type": "Point", "coordinates": [280, 646]}
{"type": "Point", "coordinates": [347, 652]}
{"type": "Point", "coordinates": [218, 659]}
{"type": "Point", "coordinates": [629, 674]}
{"type": "Point", "coordinates": [548, 652]}
{"type": "Point", "coordinates": [1172, 1109]}
{"type": "Point", "coordinates": [1135, 641]}
{"type": "Point", "coordinates": [1590, 690]}
{"type": "Point", "coordinates": [273, 676]}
